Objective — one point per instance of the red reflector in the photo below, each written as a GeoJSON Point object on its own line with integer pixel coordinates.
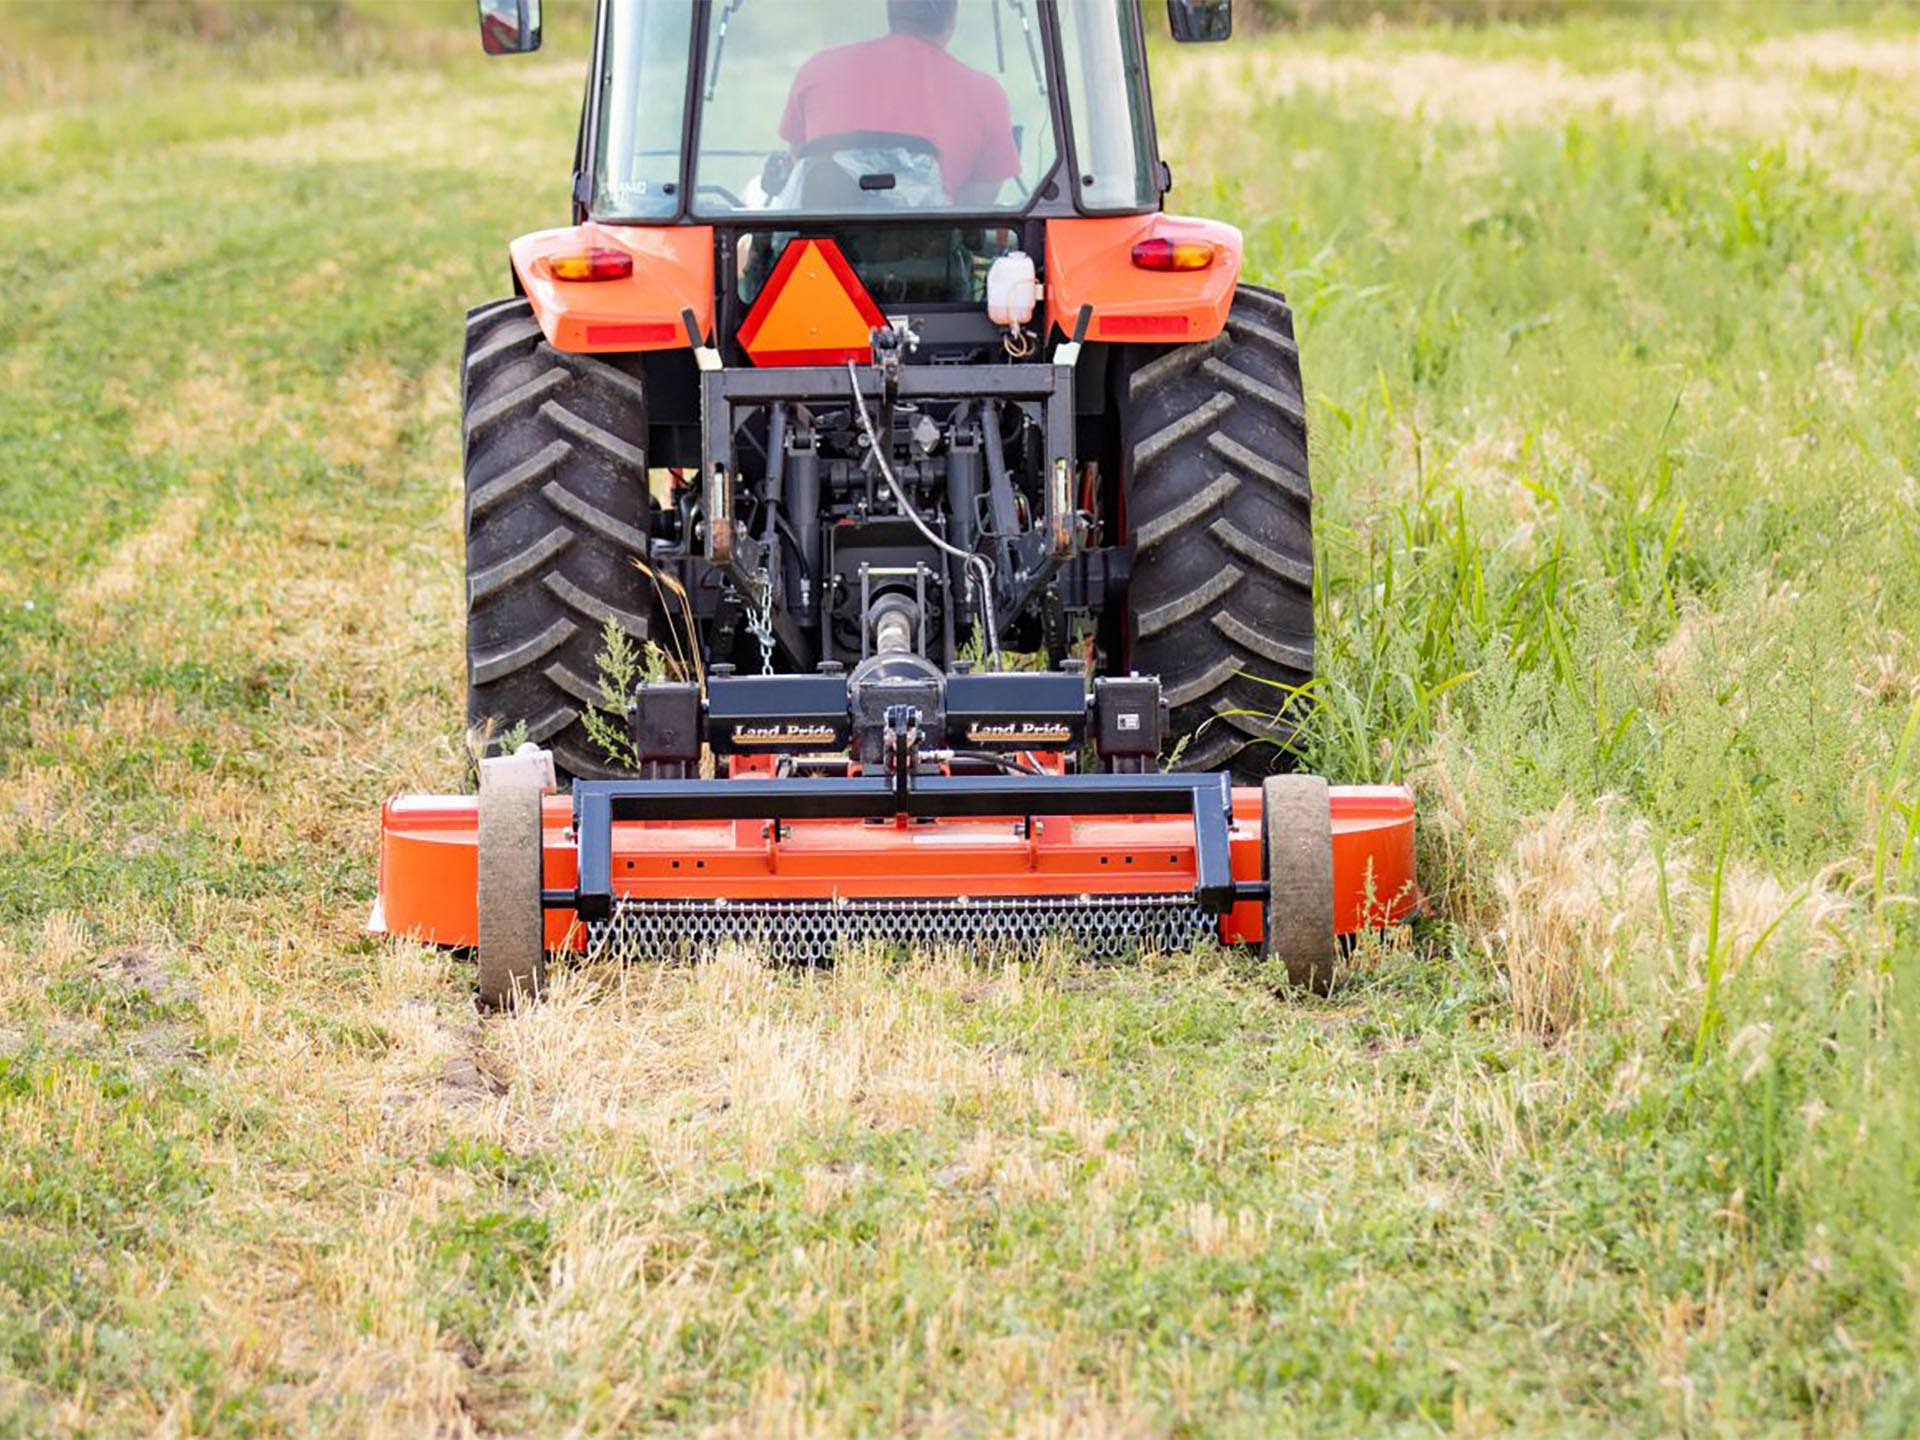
{"type": "Point", "coordinates": [1164, 254]}
{"type": "Point", "coordinates": [599, 263]}
{"type": "Point", "coordinates": [1116, 326]}
{"type": "Point", "coordinates": [646, 333]}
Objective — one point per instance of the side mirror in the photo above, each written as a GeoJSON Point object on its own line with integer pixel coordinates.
{"type": "Point", "coordinates": [1200, 21]}
{"type": "Point", "coordinates": [509, 27]}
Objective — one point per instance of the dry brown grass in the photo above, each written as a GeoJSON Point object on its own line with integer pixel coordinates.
{"type": "Point", "coordinates": [1579, 896]}
{"type": "Point", "coordinates": [149, 549]}
{"type": "Point", "coordinates": [1581, 930]}
{"type": "Point", "coordinates": [727, 1062]}
{"type": "Point", "coordinates": [213, 411]}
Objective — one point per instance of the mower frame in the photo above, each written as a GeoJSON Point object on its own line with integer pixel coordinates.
{"type": "Point", "coordinates": [1205, 799]}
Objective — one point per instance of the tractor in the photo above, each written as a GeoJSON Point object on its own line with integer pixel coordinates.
{"type": "Point", "coordinates": [952, 493]}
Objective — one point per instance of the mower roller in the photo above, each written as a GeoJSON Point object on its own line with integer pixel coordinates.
{"type": "Point", "coordinates": [948, 495]}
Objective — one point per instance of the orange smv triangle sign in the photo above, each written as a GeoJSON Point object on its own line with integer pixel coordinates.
{"type": "Point", "coordinates": [813, 310]}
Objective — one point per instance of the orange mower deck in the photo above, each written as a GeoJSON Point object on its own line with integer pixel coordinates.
{"type": "Point", "coordinates": [429, 861]}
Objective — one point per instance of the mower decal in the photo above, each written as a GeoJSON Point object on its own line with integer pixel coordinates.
{"type": "Point", "coordinates": [813, 310]}
{"type": "Point", "coordinates": [785, 735]}
{"type": "Point", "coordinates": [1020, 732]}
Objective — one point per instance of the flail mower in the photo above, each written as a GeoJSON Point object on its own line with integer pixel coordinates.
{"type": "Point", "coordinates": [953, 492]}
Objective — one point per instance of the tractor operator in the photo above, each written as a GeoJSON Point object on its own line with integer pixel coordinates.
{"type": "Point", "coordinates": [905, 82]}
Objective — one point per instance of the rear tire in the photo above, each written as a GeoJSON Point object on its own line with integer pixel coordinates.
{"type": "Point", "coordinates": [556, 515]}
{"type": "Point", "coordinates": [1220, 515]}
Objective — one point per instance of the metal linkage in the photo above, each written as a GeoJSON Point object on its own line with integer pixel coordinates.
{"type": "Point", "coordinates": [807, 714]}
{"type": "Point", "coordinates": [598, 804]}
{"type": "Point", "coordinates": [995, 574]}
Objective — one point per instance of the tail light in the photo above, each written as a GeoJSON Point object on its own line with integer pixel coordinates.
{"type": "Point", "coordinates": [1164, 254]}
{"type": "Point", "coordinates": [599, 263]}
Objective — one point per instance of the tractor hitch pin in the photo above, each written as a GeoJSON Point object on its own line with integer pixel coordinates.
{"type": "Point", "coordinates": [1060, 513]}
{"type": "Point", "coordinates": [719, 499]}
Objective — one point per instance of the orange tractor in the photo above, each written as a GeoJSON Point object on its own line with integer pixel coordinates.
{"type": "Point", "coordinates": [948, 487]}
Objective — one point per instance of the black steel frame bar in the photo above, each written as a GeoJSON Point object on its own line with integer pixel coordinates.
{"type": "Point", "coordinates": [598, 804]}
{"type": "Point", "coordinates": [723, 393]}
{"type": "Point", "coordinates": [917, 382]}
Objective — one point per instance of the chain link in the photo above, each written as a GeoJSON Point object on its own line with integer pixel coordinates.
{"type": "Point", "coordinates": [760, 626]}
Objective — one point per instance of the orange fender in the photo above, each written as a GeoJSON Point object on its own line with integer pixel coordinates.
{"type": "Point", "coordinates": [672, 272]}
{"type": "Point", "coordinates": [1090, 262]}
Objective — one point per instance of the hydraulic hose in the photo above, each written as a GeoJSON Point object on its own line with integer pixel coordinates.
{"type": "Point", "coordinates": [982, 567]}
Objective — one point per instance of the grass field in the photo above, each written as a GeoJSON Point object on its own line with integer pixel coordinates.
{"type": "Point", "coordinates": [1613, 345]}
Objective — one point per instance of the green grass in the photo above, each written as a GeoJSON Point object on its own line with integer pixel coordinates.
{"type": "Point", "coordinates": [1616, 444]}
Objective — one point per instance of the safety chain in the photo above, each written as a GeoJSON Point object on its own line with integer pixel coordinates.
{"type": "Point", "coordinates": [760, 626]}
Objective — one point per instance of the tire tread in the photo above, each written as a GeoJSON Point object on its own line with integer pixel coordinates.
{"type": "Point", "coordinates": [1221, 591]}
{"type": "Point", "coordinates": [557, 512]}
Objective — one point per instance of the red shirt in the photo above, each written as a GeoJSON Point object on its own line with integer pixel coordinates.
{"type": "Point", "coordinates": [910, 86]}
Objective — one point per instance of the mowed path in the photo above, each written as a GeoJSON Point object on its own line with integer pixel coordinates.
{"type": "Point", "coordinates": [259, 1174]}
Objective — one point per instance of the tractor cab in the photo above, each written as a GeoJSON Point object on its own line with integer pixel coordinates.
{"type": "Point", "coordinates": [757, 111]}
{"type": "Point", "coordinates": [926, 136]}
